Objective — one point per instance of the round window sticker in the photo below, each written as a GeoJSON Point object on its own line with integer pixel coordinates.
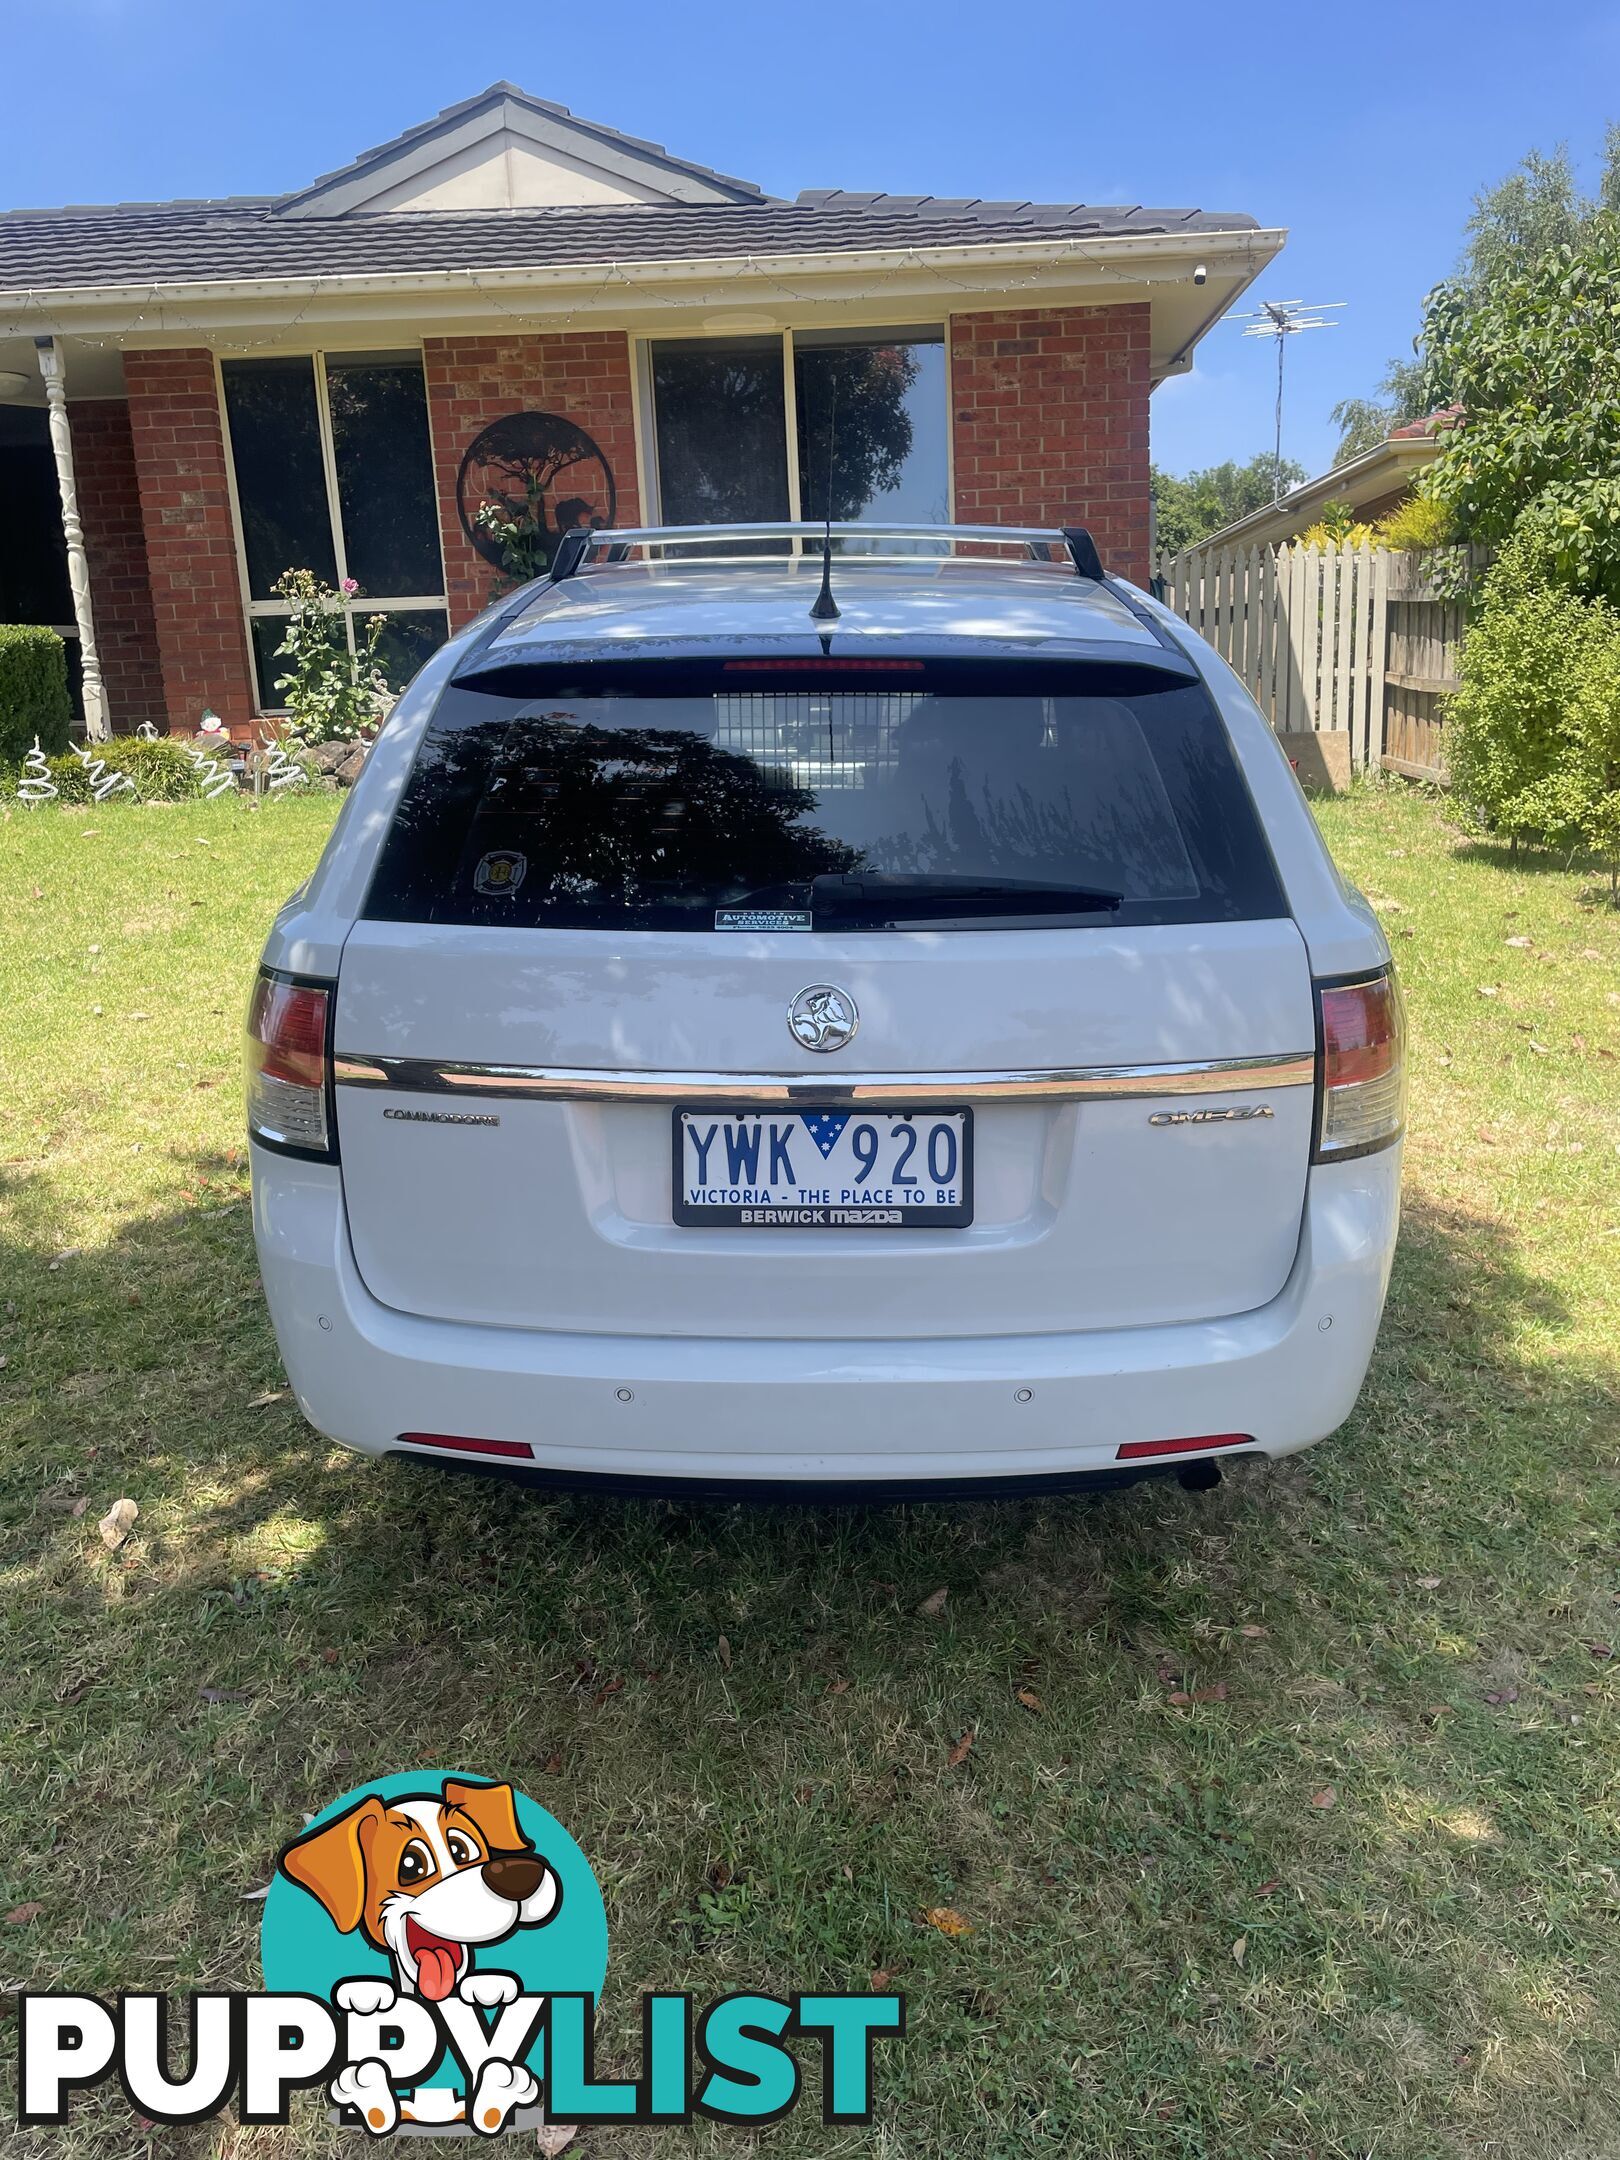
{"type": "Point", "coordinates": [438, 1888]}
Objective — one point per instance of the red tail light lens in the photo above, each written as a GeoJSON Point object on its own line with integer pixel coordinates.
{"type": "Point", "coordinates": [1137, 1450]}
{"type": "Point", "coordinates": [289, 1098]}
{"type": "Point", "coordinates": [459, 1444]}
{"type": "Point", "coordinates": [1362, 1088]}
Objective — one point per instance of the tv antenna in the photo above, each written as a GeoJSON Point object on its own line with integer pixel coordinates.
{"type": "Point", "coordinates": [1281, 320]}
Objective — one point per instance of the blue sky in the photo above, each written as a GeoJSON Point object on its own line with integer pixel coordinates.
{"type": "Point", "coordinates": [1364, 130]}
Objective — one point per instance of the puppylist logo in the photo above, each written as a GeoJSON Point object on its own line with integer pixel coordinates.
{"type": "Point", "coordinates": [433, 1948]}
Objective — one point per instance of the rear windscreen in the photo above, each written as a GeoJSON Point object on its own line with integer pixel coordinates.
{"type": "Point", "coordinates": [642, 802]}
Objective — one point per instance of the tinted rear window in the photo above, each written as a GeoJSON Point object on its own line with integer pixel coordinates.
{"type": "Point", "coordinates": [664, 799]}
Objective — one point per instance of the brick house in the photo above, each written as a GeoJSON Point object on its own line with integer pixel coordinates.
{"type": "Point", "coordinates": [511, 311]}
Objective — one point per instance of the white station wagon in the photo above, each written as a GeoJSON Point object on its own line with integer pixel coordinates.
{"type": "Point", "coordinates": [884, 1024]}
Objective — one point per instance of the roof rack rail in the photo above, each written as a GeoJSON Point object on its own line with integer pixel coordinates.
{"type": "Point", "coordinates": [1039, 543]}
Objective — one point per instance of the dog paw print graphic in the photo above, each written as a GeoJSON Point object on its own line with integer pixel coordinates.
{"type": "Point", "coordinates": [435, 1913]}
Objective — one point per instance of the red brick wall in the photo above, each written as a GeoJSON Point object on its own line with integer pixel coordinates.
{"type": "Point", "coordinates": [1050, 423]}
{"type": "Point", "coordinates": [582, 374]}
{"type": "Point", "coordinates": [190, 544]}
{"type": "Point", "coordinates": [120, 596]}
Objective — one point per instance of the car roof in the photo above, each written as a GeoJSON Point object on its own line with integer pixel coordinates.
{"type": "Point", "coordinates": [937, 604]}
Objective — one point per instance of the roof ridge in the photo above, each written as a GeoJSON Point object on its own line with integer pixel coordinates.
{"type": "Point", "coordinates": [136, 209]}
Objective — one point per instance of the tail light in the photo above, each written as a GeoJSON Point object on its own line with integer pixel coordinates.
{"type": "Point", "coordinates": [1361, 1082]}
{"type": "Point", "coordinates": [289, 1066]}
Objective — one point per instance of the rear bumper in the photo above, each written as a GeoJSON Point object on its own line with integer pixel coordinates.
{"type": "Point", "coordinates": [728, 1411]}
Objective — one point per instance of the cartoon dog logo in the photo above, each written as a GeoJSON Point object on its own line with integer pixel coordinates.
{"type": "Point", "coordinates": [430, 1879]}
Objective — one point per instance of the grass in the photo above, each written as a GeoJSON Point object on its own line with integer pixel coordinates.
{"type": "Point", "coordinates": [1177, 1946]}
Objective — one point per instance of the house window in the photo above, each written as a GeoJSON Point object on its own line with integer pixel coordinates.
{"type": "Point", "coordinates": [872, 427]}
{"type": "Point", "coordinates": [334, 474]}
{"type": "Point", "coordinates": [743, 427]}
{"type": "Point", "coordinates": [722, 431]}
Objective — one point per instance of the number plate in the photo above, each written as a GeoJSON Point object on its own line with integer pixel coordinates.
{"type": "Point", "coordinates": [828, 1169]}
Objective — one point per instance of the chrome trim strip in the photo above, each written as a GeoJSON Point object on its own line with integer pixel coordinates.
{"type": "Point", "coordinates": [1088, 1083]}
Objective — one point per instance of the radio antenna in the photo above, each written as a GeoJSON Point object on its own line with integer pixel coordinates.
{"type": "Point", "coordinates": [826, 607]}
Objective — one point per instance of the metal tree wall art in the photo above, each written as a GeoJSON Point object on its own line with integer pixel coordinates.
{"type": "Point", "coordinates": [36, 785]}
{"type": "Point", "coordinates": [102, 782]}
{"type": "Point", "coordinates": [524, 482]}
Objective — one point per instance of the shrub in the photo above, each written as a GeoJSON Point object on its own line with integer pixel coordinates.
{"type": "Point", "coordinates": [332, 695]}
{"type": "Point", "coordinates": [1416, 525]}
{"type": "Point", "coordinates": [1533, 735]}
{"type": "Point", "coordinates": [33, 691]}
{"type": "Point", "coordinates": [1334, 533]}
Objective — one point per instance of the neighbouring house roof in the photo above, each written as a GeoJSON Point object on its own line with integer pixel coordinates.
{"type": "Point", "coordinates": [1387, 469]}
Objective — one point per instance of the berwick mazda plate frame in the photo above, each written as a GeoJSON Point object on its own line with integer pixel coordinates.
{"type": "Point", "coordinates": [907, 1143]}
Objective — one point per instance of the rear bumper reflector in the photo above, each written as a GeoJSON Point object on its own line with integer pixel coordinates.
{"type": "Point", "coordinates": [1134, 1450]}
{"type": "Point", "coordinates": [458, 1444]}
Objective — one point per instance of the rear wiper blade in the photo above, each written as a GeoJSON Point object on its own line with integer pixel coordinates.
{"type": "Point", "coordinates": [893, 896]}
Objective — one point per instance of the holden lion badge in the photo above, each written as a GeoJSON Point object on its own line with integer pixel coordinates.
{"type": "Point", "coordinates": [822, 1018]}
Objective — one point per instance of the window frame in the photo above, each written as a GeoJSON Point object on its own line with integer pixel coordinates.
{"type": "Point", "coordinates": [363, 605]}
{"type": "Point", "coordinates": [934, 330]}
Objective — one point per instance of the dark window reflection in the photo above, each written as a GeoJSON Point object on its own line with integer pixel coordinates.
{"type": "Point", "coordinates": [384, 475]}
{"type": "Point", "coordinates": [722, 431]}
{"type": "Point", "coordinates": [280, 480]}
{"type": "Point", "coordinates": [412, 637]}
{"type": "Point", "coordinates": [653, 812]}
{"type": "Point", "coordinates": [268, 632]}
{"type": "Point", "coordinates": [878, 407]}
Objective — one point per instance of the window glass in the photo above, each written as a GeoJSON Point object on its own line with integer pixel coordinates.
{"type": "Point", "coordinates": [722, 431]}
{"type": "Point", "coordinates": [280, 481]}
{"type": "Point", "coordinates": [1111, 800]}
{"type": "Point", "coordinates": [412, 637]}
{"type": "Point", "coordinates": [878, 406]}
{"type": "Point", "coordinates": [268, 632]}
{"type": "Point", "coordinates": [384, 475]}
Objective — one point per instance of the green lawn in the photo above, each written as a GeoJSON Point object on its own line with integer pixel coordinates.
{"type": "Point", "coordinates": [1358, 1895]}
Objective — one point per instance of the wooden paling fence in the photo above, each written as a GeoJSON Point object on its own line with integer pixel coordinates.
{"type": "Point", "coordinates": [1354, 645]}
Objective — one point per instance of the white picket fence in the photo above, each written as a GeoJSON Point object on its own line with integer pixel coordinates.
{"type": "Point", "coordinates": [1354, 642]}
{"type": "Point", "coordinates": [1304, 627]}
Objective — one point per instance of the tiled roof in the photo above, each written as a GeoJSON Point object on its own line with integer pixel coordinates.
{"type": "Point", "coordinates": [1435, 423]}
{"type": "Point", "coordinates": [246, 238]}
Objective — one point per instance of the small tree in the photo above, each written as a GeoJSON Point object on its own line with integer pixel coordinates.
{"type": "Point", "coordinates": [331, 694]}
{"type": "Point", "coordinates": [1533, 736]}
{"type": "Point", "coordinates": [1533, 357]}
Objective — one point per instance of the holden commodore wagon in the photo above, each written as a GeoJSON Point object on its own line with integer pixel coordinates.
{"type": "Point", "coordinates": [776, 1017]}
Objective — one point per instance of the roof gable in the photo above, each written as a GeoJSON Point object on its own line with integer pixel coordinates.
{"type": "Point", "coordinates": [507, 150]}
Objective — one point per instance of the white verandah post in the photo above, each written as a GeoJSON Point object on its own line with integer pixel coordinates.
{"type": "Point", "coordinates": [96, 726]}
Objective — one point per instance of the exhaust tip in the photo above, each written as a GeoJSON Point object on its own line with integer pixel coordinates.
{"type": "Point", "coordinates": [1199, 1476]}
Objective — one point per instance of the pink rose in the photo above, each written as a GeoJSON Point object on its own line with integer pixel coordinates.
{"type": "Point", "coordinates": [351, 586]}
